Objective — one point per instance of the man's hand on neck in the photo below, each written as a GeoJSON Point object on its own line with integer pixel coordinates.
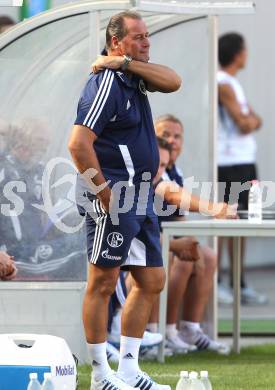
{"type": "Point", "coordinates": [107, 62]}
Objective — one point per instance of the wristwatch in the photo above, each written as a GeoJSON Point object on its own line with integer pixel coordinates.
{"type": "Point", "coordinates": [126, 62]}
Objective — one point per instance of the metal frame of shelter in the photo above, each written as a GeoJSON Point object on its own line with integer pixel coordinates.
{"type": "Point", "coordinates": [175, 11]}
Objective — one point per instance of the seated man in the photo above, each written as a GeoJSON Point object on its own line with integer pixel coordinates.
{"type": "Point", "coordinates": [191, 280]}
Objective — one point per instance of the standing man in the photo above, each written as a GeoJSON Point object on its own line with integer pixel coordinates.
{"type": "Point", "coordinates": [236, 143]}
{"type": "Point", "coordinates": [114, 137]}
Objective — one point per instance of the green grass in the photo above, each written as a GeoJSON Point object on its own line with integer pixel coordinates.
{"type": "Point", "coordinates": [249, 326]}
{"type": "Point", "coordinates": [253, 369]}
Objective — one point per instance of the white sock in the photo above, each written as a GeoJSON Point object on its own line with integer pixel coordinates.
{"type": "Point", "coordinates": [99, 362]}
{"type": "Point", "coordinates": [128, 359]}
{"type": "Point", "coordinates": [152, 327]}
{"type": "Point", "coordinates": [190, 325]}
{"type": "Point", "coordinates": [171, 330]}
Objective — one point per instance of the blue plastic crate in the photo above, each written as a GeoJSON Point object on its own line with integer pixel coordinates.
{"type": "Point", "coordinates": [17, 377]}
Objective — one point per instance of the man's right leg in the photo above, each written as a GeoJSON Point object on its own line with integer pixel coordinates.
{"type": "Point", "coordinates": [152, 326]}
{"type": "Point", "coordinates": [107, 247]}
{"type": "Point", "coordinates": [101, 284]}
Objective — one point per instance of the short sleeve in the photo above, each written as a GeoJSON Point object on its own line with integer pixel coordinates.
{"type": "Point", "coordinates": [97, 104]}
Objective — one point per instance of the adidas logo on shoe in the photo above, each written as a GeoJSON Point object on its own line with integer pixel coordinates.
{"type": "Point", "coordinates": [128, 356]}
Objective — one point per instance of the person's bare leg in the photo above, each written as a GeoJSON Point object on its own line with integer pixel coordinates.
{"type": "Point", "coordinates": [154, 316]}
{"type": "Point", "coordinates": [177, 283]}
{"type": "Point", "coordinates": [195, 300]}
{"type": "Point", "coordinates": [147, 284]}
{"type": "Point", "coordinates": [200, 286]}
{"type": "Point", "coordinates": [178, 280]}
{"type": "Point", "coordinates": [128, 282]}
{"type": "Point", "coordinates": [229, 242]}
{"type": "Point", "coordinates": [101, 284]}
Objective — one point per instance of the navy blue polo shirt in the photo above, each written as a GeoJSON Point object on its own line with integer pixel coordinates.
{"type": "Point", "coordinates": [117, 110]}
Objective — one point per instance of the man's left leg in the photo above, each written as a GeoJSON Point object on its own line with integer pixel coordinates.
{"type": "Point", "coordinates": [148, 283]}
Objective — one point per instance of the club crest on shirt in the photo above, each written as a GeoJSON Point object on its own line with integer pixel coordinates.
{"type": "Point", "coordinates": [142, 87]}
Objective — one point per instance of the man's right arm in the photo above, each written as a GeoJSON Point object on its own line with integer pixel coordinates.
{"type": "Point", "coordinates": [180, 197]}
{"type": "Point", "coordinates": [81, 146]}
{"type": "Point", "coordinates": [246, 123]}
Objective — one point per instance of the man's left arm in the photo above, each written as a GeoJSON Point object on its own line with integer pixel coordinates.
{"type": "Point", "coordinates": [158, 77]}
{"type": "Point", "coordinates": [256, 117]}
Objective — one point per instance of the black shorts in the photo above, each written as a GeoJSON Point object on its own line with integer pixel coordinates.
{"type": "Point", "coordinates": [243, 173]}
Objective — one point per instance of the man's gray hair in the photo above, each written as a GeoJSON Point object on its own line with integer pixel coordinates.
{"type": "Point", "coordinates": [116, 26]}
{"type": "Point", "coordinates": [168, 118]}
